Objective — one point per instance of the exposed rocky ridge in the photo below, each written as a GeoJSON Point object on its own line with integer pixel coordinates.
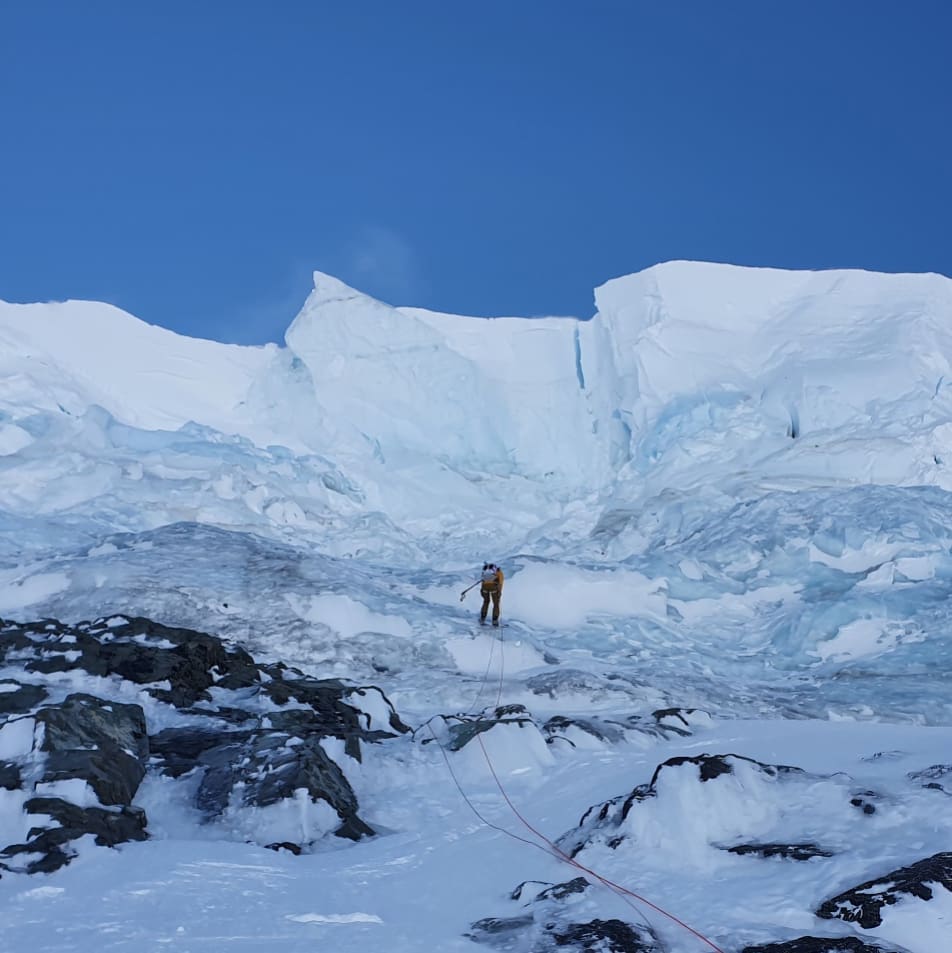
{"type": "Point", "coordinates": [866, 903]}
{"type": "Point", "coordinates": [937, 777]}
{"type": "Point", "coordinates": [254, 732]}
{"type": "Point", "coordinates": [816, 944]}
{"type": "Point", "coordinates": [462, 728]}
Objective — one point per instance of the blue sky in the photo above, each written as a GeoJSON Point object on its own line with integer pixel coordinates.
{"type": "Point", "coordinates": [194, 162]}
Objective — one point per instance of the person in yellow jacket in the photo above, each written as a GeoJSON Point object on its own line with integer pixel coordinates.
{"type": "Point", "coordinates": [490, 588]}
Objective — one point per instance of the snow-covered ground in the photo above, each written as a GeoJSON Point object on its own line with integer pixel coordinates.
{"type": "Point", "coordinates": [726, 492]}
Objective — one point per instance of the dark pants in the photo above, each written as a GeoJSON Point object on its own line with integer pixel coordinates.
{"type": "Point", "coordinates": [488, 594]}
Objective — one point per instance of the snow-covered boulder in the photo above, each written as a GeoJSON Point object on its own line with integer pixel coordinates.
{"type": "Point", "coordinates": [554, 920]}
{"type": "Point", "coordinates": [696, 804]}
{"type": "Point", "coordinates": [895, 893]}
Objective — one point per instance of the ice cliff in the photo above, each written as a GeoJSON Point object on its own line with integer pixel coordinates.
{"type": "Point", "coordinates": [687, 375]}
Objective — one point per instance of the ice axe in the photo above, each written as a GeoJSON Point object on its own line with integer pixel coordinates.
{"type": "Point", "coordinates": [462, 595]}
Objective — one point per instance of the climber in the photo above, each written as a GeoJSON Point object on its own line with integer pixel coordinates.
{"type": "Point", "coordinates": [490, 588]}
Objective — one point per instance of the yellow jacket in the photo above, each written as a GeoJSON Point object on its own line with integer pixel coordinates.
{"type": "Point", "coordinates": [494, 584]}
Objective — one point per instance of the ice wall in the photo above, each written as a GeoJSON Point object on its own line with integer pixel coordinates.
{"type": "Point", "coordinates": [500, 395]}
{"type": "Point", "coordinates": [683, 363]}
{"type": "Point", "coordinates": [687, 372]}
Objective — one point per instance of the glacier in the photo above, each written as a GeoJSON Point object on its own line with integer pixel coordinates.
{"type": "Point", "coordinates": [726, 491]}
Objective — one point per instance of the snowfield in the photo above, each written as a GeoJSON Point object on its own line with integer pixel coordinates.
{"type": "Point", "coordinates": [722, 505]}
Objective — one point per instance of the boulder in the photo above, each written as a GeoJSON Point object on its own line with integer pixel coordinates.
{"type": "Point", "coordinates": [551, 926]}
{"type": "Point", "coordinates": [606, 822]}
{"type": "Point", "coordinates": [177, 751]}
{"type": "Point", "coordinates": [108, 828]}
{"type": "Point", "coordinates": [103, 743]}
{"type": "Point", "coordinates": [9, 776]}
{"type": "Point", "coordinates": [330, 715]}
{"type": "Point", "coordinates": [21, 699]}
{"type": "Point", "coordinates": [604, 936]}
{"type": "Point", "coordinates": [270, 767]}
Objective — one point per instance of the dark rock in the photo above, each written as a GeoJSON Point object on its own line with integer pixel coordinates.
{"type": "Point", "coordinates": [52, 858]}
{"type": "Point", "coordinates": [709, 766]}
{"type": "Point", "coordinates": [863, 802]}
{"type": "Point", "coordinates": [393, 719]}
{"type": "Point", "coordinates": [864, 904]}
{"type": "Point", "coordinates": [663, 715]}
{"type": "Point", "coordinates": [663, 723]}
{"type": "Point", "coordinates": [13, 638]}
{"type": "Point", "coordinates": [107, 827]}
{"type": "Point", "coordinates": [549, 926]}
{"type": "Point", "coordinates": [234, 716]}
{"type": "Point", "coordinates": [9, 776]}
{"type": "Point", "coordinates": [83, 721]}
{"type": "Point", "coordinates": [816, 944]}
{"type": "Point", "coordinates": [606, 731]}
{"type": "Point", "coordinates": [492, 928]}
{"type": "Point", "coordinates": [223, 766]}
{"type": "Point", "coordinates": [937, 777]}
{"type": "Point", "coordinates": [143, 652]}
{"type": "Point", "coordinates": [246, 758]}
{"type": "Point", "coordinates": [22, 699]}
{"type": "Point", "coordinates": [104, 743]}
{"type": "Point", "coordinates": [551, 891]}
{"type": "Point", "coordinates": [285, 845]}
{"type": "Point", "coordinates": [462, 729]}
{"type": "Point", "coordinates": [787, 851]}
{"type": "Point", "coordinates": [269, 769]}
{"type": "Point", "coordinates": [563, 890]}
{"type": "Point", "coordinates": [332, 715]}
{"type": "Point", "coordinates": [179, 749]}
{"type": "Point", "coordinates": [605, 936]}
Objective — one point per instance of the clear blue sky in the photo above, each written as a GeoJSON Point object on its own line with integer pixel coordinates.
{"type": "Point", "coordinates": [194, 161]}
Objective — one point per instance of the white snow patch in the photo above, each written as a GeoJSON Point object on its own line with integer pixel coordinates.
{"type": "Point", "coordinates": [18, 594]}
{"type": "Point", "coordinates": [334, 918]}
{"type": "Point", "coordinates": [13, 439]}
{"type": "Point", "coordinates": [512, 748]}
{"type": "Point", "coordinates": [920, 926]}
{"type": "Point", "coordinates": [41, 893]}
{"type": "Point", "coordinates": [296, 820]}
{"type": "Point", "coordinates": [75, 790]}
{"type": "Point", "coordinates": [17, 738]}
{"type": "Point", "coordinates": [857, 639]}
{"type": "Point", "coordinates": [489, 655]}
{"type": "Point", "coordinates": [346, 616]}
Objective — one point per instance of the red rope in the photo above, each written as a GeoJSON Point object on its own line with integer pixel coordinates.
{"type": "Point", "coordinates": [561, 855]}
{"type": "Point", "coordinates": [554, 848]}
